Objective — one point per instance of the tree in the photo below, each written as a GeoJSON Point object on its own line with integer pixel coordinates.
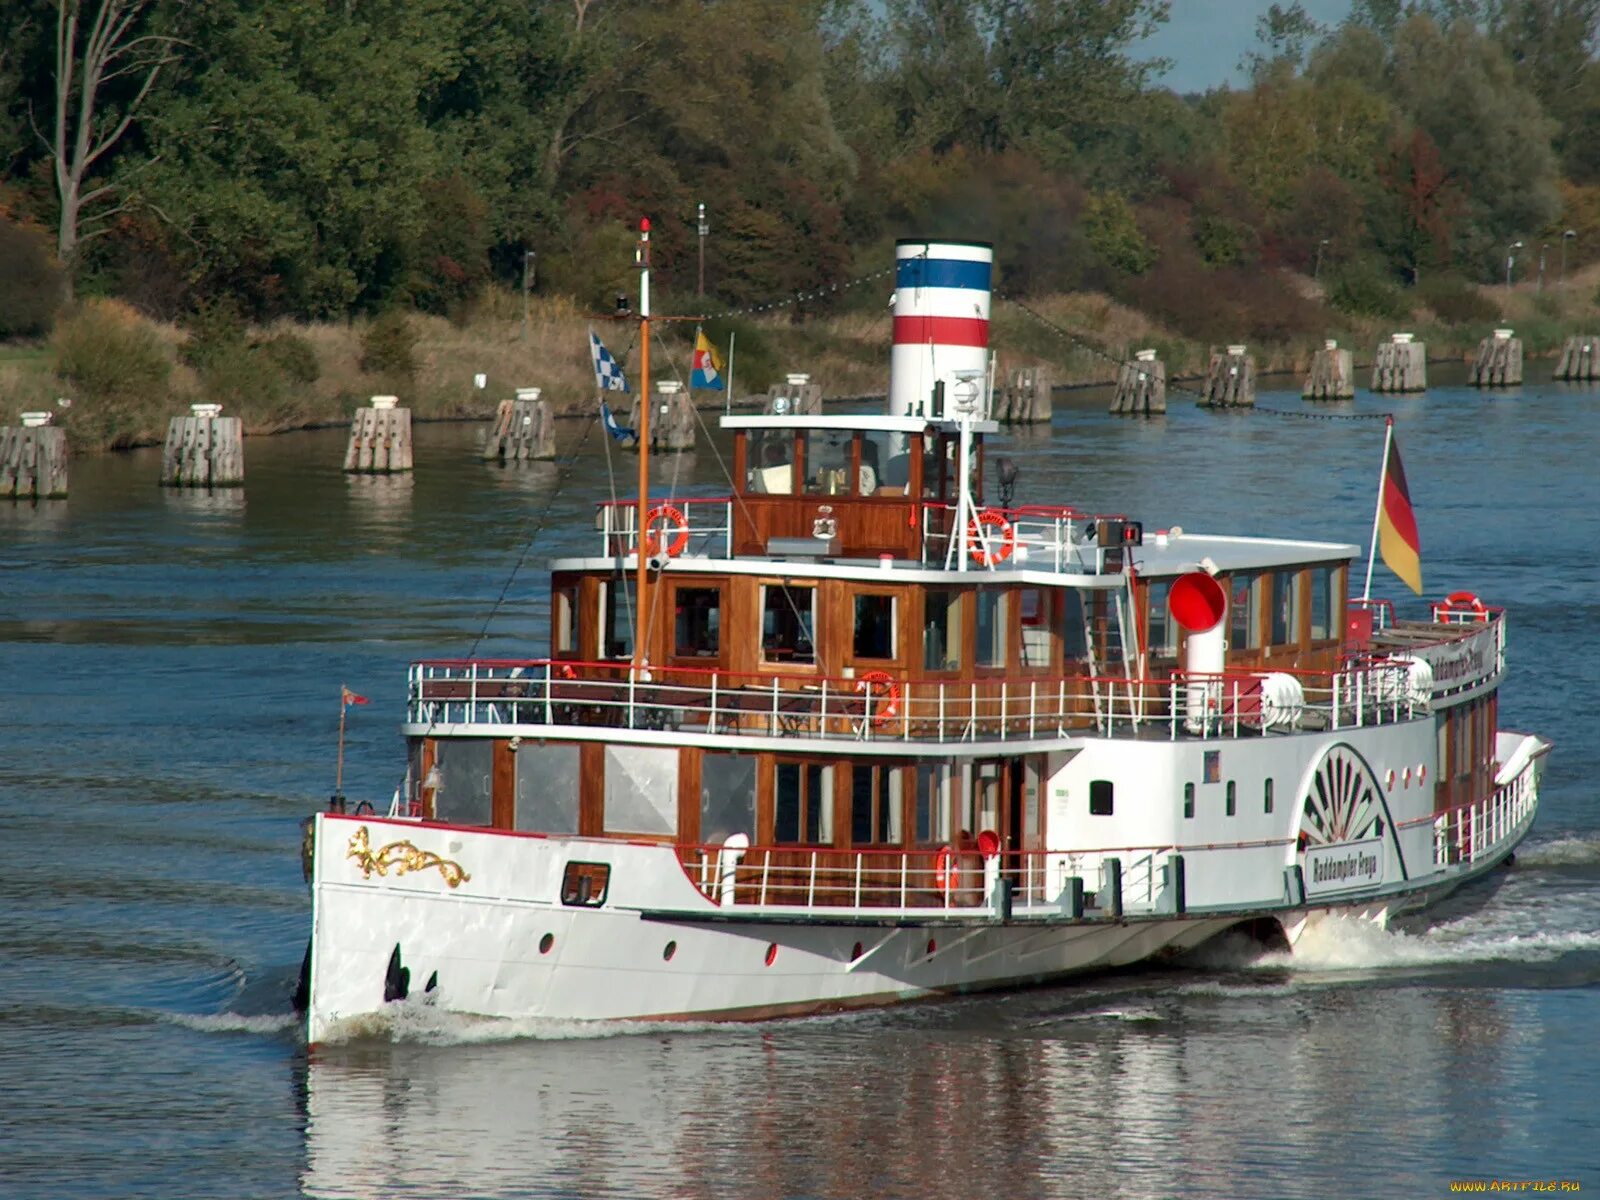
{"type": "Point", "coordinates": [94, 109]}
{"type": "Point", "coordinates": [1416, 227]}
{"type": "Point", "coordinates": [1286, 36]}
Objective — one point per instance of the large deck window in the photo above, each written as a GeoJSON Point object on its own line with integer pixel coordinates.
{"type": "Point", "coordinates": [1244, 606]}
{"type": "Point", "coordinates": [827, 462]}
{"type": "Point", "coordinates": [770, 469]}
{"type": "Point", "coordinates": [1285, 608]}
{"type": "Point", "coordinates": [885, 463]}
{"type": "Point", "coordinates": [991, 627]}
{"type": "Point", "coordinates": [697, 622]}
{"type": "Point", "coordinates": [802, 803]}
{"type": "Point", "coordinates": [464, 794]}
{"type": "Point", "coordinates": [874, 636]}
{"type": "Point", "coordinates": [1033, 614]}
{"type": "Point", "coordinates": [641, 790]}
{"type": "Point", "coordinates": [563, 619]}
{"type": "Point", "coordinates": [788, 623]}
{"type": "Point", "coordinates": [1327, 596]}
{"type": "Point", "coordinates": [1074, 630]}
{"type": "Point", "coordinates": [932, 810]}
{"type": "Point", "coordinates": [547, 787]}
{"type": "Point", "coordinates": [1161, 634]}
{"type": "Point", "coordinates": [727, 797]}
{"type": "Point", "coordinates": [876, 796]}
{"type": "Point", "coordinates": [941, 630]}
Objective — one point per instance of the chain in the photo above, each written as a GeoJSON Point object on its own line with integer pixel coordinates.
{"type": "Point", "coordinates": [819, 293]}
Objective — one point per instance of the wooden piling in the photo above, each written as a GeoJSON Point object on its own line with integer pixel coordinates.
{"type": "Point", "coordinates": [204, 449]}
{"type": "Point", "coordinates": [672, 420]}
{"type": "Point", "coordinates": [524, 429]}
{"type": "Point", "coordinates": [1580, 359]}
{"type": "Point", "coordinates": [1230, 380]}
{"type": "Point", "coordinates": [1025, 397]}
{"type": "Point", "coordinates": [1141, 386]}
{"type": "Point", "coordinates": [797, 396]}
{"type": "Point", "coordinates": [1400, 365]}
{"type": "Point", "coordinates": [1498, 362]}
{"type": "Point", "coordinates": [33, 459]}
{"type": "Point", "coordinates": [380, 439]}
{"type": "Point", "coordinates": [1332, 375]}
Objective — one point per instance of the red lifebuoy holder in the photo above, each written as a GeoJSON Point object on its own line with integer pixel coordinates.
{"type": "Point", "coordinates": [988, 843]}
{"type": "Point", "coordinates": [990, 518]}
{"type": "Point", "coordinates": [883, 691]}
{"type": "Point", "coordinates": [946, 870]}
{"type": "Point", "coordinates": [672, 524]}
{"type": "Point", "coordinates": [1462, 602]}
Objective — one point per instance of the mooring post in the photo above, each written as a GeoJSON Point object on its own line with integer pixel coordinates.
{"type": "Point", "coordinates": [33, 459]}
{"type": "Point", "coordinates": [1498, 362]}
{"type": "Point", "coordinates": [380, 439]}
{"type": "Point", "coordinates": [1400, 365]}
{"type": "Point", "coordinates": [1141, 386]}
{"type": "Point", "coordinates": [1332, 374]}
{"type": "Point", "coordinates": [204, 449]}
{"type": "Point", "coordinates": [1230, 379]}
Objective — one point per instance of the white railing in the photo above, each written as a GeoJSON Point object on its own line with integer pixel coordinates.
{"type": "Point", "coordinates": [875, 708]}
{"type": "Point", "coordinates": [1044, 537]}
{"type": "Point", "coordinates": [693, 526]}
{"type": "Point", "coordinates": [1473, 831]}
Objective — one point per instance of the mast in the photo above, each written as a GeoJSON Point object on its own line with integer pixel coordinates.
{"type": "Point", "coordinates": [642, 254]}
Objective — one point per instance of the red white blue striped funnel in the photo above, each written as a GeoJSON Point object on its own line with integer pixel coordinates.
{"type": "Point", "coordinates": [941, 325]}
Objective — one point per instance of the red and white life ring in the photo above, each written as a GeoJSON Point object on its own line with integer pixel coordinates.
{"type": "Point", "coordinates": [673, 523]}
{"type": "Point", "coordinates": [946, 870]}
{"type": "Point", "coordinates": [1463, 602]}
{"type": "Point", "coordinates": [884, 692]}
{"type": "Point", "coordinates": [990, 518]}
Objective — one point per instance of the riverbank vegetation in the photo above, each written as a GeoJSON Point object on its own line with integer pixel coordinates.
{"type": "Point", "coordinates": [288, 208]}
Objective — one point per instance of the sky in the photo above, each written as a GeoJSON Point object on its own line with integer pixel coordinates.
{"type": "Point", "coordinates": [1206, 38]}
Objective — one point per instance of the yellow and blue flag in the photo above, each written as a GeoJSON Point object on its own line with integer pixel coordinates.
{"type": "Point", "coordinates": [707, 374]}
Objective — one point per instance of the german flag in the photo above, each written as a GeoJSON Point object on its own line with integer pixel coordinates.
{"type": "Point", "coordinates": [1397, 524]}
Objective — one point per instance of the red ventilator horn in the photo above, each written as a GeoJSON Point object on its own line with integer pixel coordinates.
{"type": "Point", "coordinates": [1197, 601]}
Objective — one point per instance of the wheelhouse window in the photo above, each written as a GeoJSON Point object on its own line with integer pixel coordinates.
{"type": "Point", "coordinates": [802, 803]}
{"type": "Point", "coordinates": [874, 636]}
{"type": "Point", "coordinates": [1244, 607]}
{"type": "Point", "coordinates": [1033, 614]}
{"type": "Point", "coordinates": [1285, 608]}
{"type": "Point", "coordinates": [616, 618]}
{"type": "Point", "coordinates": [941, 630]}
{"type": "Point", "coordinates": [769, 460]}
{"type": "Point", "coordinates": [1327, 596]}
{"type": "Point", "coordinates": [727, 797]}
{"type": "Point", "coordinates": [1161, 634]}
{"type": "Point", "coordinates": [885, 463]}
{"type": "Point", "coordinates": [827, 462]}
{"type": "Point", "coordinates": [991, 624]}
{"type": "Point", "coordinates": [1074, 632]}
{"type": "Point", "coordinates": [788, 623]}
{"type": "Point", "coordinates": [697, 622]}
{"type": "Point", "coordinates": [876, 797]}
{"type": "Point", "coordinates": [563, 619]}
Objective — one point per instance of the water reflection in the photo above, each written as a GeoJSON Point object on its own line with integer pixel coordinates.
{"type": "Point", "coordinates": [211, 502]}
{"type": "Point", "coordinates": [1174, 1089]}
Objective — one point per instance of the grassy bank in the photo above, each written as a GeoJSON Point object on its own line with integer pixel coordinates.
{"type": "Point", "coordinates": [123, 375]}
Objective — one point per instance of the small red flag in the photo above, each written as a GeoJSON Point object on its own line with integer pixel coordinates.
{"type": "Point", "coordinates": [347, 697]}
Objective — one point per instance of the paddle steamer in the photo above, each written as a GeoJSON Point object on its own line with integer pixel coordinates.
{"type": "Point", "coordinates": [869, 729]}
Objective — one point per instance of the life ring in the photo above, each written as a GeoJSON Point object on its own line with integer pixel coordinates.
{"type": "Point", "coordinates": [991, 518]}
{"type": "Point", "coordinates": [670, 518]}
{"type": "Point", "coordinates": [946, 870]}
{"type": "Point", "coordinates": [884, 692]}
{"type": "Point", "coordinates": [1465, 602]}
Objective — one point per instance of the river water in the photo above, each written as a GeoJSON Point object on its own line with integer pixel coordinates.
{"type": "Point", "coordinates": [173, 664]}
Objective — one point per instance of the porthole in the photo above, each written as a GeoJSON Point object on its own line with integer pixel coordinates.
{"type": "Point", "coordinates": [670, 949]}
{"type": "Point", "coordinates": [772, 952]}
{"type": "Point", "coordinates": [547, 941]}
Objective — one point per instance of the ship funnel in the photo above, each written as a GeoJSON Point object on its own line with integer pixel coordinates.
{"type": "Point", "coordinates": [941, 328]}
{"type": "Point", "coordinates": [1200, 604]}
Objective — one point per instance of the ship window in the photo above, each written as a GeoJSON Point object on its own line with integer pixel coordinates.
{"type": "Point", "coordinates": [1285, 608]}
{"type": "Point", "coordinates": [1074, 635]}
{"type": "Point", "coordinates": [1231, 802]}
{"type": "Point", "coordinates": [991, 627]}
{"type": "Point", "coordinates": [641, 792]}
{"type": "Point", "coordinates": [771, 459]}
{"type": "Point", "coordinates": [547, 787]}
{"type": "Point", "coordinates": [465, 789]}
{"type": "Point", "coordinates": [788, 622]}
{"type": "Point", "coordinates": [941, 630]}
{"type": "Point", "coordinates": [874, 627]}
{"type": "Point", "coordinates": [875, 804]}
{"type": "Point", "coordinates": [1161, 634]}
{"type": "Point", "coordinates": [1033, 614]}
{"type": "Point", "coordinates": [616, 618]}
{"type": "Point", "coordinates": [584, 884]}
{"type": "Point", "coordinates": [1188, 800]}
{"type": "Point", "coordinates": [885, 463]}
{"type": "Point", "coordinates": [802, 803]}
{"type": "Point", "coordinates": [1266, 796]}
{"type": "Point", "coordinates": [727, 797]}
{"type": "Point", "coordinates": [1324, 603]}
{"type": "Point", "coordinates": [934, 480]}
{"type": "Point", "coordinates": [827, 462]}
{"type": "Point", "coordinates": [697, 622]}
{"type": "Point", "coordinates": [1100, 797]}
{"type": "Point", "coordinates": [1244, 605]}
{"type": "Point", "coordinates": [563, 625]}
{"type": "Point", "coordinates": [933, 815]}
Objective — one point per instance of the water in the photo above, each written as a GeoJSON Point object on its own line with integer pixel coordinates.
{"type": "Point", "coordinates": [174, 664]}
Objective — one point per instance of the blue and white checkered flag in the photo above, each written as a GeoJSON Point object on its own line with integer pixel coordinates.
{"type": "Point", "coordinates": [608, 376]}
